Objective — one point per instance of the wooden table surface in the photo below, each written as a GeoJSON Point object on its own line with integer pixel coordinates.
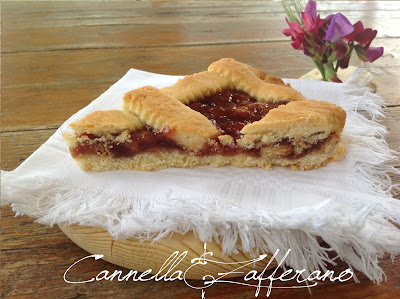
{"type": "Point", "coordinates": [59, 56]}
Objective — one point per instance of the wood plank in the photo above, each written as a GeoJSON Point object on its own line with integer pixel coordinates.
{"type": "Point", "coordinates": [175, 30]}
{"type": "Point", "coordinates": [275, 5]}
{"type": "Point", "coordinates": [385, 78]}
{"type": "Point", "coordinates": [17, 146]}
{"type": "Point", "coordinates": [65, 17]}
{"type": "Point", "coordinates": [392, 123]}
{"type": "Point", "coordinates": [112, 8]}
{"type": "Point", "coordinates": [47, 106]}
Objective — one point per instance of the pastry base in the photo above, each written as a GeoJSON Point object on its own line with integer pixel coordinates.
{"type": "Point", "coordinates": [331, 150]}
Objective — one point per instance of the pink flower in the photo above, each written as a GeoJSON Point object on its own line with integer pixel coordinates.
{"type": "Point", "coordinates": [312, 25]}
{"type": "Point", "coordinates": [361, 35]}
{"type": "Point", "coordinates": [309, 17]}
{"type": "Point", "coordinates": [368, 53]}
{"type": "Point", "coordinates": [364, 38]}
{"type": "Point", "coordinates": [296, 32]}
{"type": "Point", "coordinates": [310, 9]}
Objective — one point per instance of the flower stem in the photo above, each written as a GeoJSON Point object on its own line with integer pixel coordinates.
{"type": "Point", "coordinates": [321, 69]}
{"type": "Point", "coordinates": [330, 73]}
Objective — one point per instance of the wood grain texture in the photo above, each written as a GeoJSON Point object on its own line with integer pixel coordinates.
{"type": "Point", "coordinates": [58, 56]}
{"type": "Point", "coordinates": [143, 255]}
{"type": "Point", "coordinates": [191, 30]}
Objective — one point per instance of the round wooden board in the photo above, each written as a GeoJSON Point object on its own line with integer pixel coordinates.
{"type": "Point", "coordinates": [143, 255]}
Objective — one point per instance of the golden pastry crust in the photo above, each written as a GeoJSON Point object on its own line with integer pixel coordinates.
{"type": "Point", "coordinates": [107, 122]}
{"type": "Point", "coordinates": [163, 112]}
{"type": "Point", "coordinates": [298, 119]}
{"type": "Point", "coordinates": [235, 75]}
{"type": "Point", "coordinates": [244, 77]}
{"type": "Point", "coordinates": [191, 88]}
{"type": "Point", "coordinates": [275, 80]}
{"type": "Point", "coordinates": [70, 139]}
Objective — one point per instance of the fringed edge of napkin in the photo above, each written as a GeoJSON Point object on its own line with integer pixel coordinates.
{"type": "Point", "coordinates": [375, 164]}
{"type": "Point", "coordinates": [360, 233]}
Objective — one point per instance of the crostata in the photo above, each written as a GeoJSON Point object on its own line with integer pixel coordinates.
{"type": "Point", "coordinates": [232, 114]}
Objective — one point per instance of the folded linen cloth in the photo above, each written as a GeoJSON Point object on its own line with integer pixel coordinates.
{"type": "Point", "coordinates": [348, 203]}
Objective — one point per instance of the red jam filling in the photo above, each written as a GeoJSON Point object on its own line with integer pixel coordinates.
{"type": "Point", "coordinates": [230, 110]}
{"type": "Point", "coordinates": [140, 141]}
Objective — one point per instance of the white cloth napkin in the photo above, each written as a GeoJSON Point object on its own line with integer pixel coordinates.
{"type": "Point", "coordinates": [348, 203]}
